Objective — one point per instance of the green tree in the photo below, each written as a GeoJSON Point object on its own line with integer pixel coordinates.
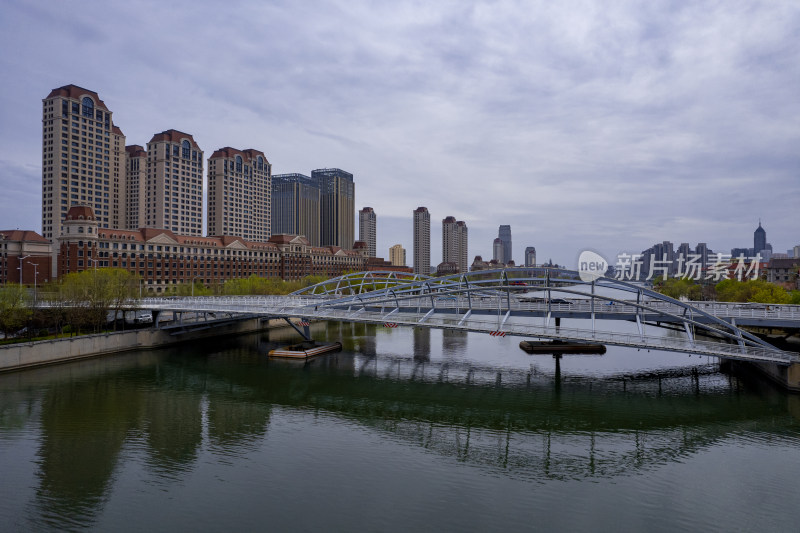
{"type": "Point", "coordinates": [15, 308]}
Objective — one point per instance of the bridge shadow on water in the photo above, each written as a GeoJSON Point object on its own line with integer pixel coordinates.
{"type": "Point", "coordinates": [168, 408]}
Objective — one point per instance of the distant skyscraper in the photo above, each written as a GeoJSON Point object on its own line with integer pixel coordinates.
{"type": "Point", "coordinates": [367, 230]}
{"type": "Point", "coordinates": [337, 207]}
{"type": "Point", "coordinates": [295, 206]}
{"type": "Point", "coordinates": [759, 239]}
{"type": "Point", "coordinates": [422, 241]}
{"type": "Point", "coordinates": [497, 250]}
{"type": "Point", "coordinates": [83, 159]}
{"type": "Point", "coordinates": [397, 255]}
{"type": "Point", "coordinates": [174, 195]}
{"type": "Point", "coordinates": [454, 243]}
{"type": "Point", "coordinates": [239, 192]}
{"type": "Point", "coordinates": [704, 252]}
{"type": "Point", "coordinates": [530, 256]}
{"type": "Point", "coordinates": [505, 236]}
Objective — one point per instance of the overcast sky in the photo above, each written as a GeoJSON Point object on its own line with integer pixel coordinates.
{"type": "Point", "coordinates": [602, 125]}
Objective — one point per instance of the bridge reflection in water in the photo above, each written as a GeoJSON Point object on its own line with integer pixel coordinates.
{"type": "Point", "coordinates": [169, 409]}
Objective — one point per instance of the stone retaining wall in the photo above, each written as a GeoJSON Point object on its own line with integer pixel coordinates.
{"type": "Point", "coordinates": [30, 354]}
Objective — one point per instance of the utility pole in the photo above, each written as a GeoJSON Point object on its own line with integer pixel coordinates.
{"type": "Point", "coordinates": [21, 259]}
{"type": "Point", "coordinates": [35, 275]}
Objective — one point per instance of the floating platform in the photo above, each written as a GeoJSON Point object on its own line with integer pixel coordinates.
{"type": "Point", "coordinates": [562, 347]}
{"type": "Point", "coordinates": [305, 349]}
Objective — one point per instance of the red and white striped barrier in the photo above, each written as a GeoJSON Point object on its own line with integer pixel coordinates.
{"type": "Point", "coordinates": [303, 323]}
{"type": "Point", "coordinates": [390, 325]}
{"type": "Point", "coordinates": [497, 333]}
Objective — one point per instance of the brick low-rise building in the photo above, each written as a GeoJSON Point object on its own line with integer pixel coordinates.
{"type": "Point", "coordinates": [30, 249]}
{"type": "Point", "coordinates": [162, 258]}
{"type": "Point", "coordinates": [784, 272]}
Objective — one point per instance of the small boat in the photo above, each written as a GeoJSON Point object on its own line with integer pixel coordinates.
{"type": "Point", "coordinates": [561, 347]}
{"type": "Point", "coordinates": [305, 349]}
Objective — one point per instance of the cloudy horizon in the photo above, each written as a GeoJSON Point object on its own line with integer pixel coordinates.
{"type": "Point", "coordinates": [580, 124]}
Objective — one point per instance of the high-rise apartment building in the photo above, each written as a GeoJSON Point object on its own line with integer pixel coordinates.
{"type": "Point", "coordinates": [505, 237]}
{"type": "Point", "coordinates": [397, 255]}
{"type": "Point", "coordinates": [454, 243]}
{"type": "Point", "coordinates": [82, 159]}
{"type": "Point", "coordinates": [530, 256]}
{"type": "Point", "coordinates": [295, 206]}
{"type": "Point", "coordinates": [367, 229]}
{"type": "Point", "coordinates": [422, 241]}
{"type": "Point", "coordinates": [174, 194]}
{"type": "Point", "coordinates": [239, 193]}
{"type": "Point", "coordinates": [337, 207]}
{"type": "Point", "coordinates": [135, 185]}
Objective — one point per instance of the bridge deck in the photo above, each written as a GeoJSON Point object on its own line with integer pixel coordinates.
{"type": "Point", "coordinates": [449, 314]}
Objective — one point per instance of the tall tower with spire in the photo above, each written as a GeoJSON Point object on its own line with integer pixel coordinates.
{"type": "Point", "coordinates": [759, 239]}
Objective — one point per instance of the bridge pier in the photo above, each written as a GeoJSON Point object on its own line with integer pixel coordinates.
{"type": "Point", "coordinates": [787, 376]}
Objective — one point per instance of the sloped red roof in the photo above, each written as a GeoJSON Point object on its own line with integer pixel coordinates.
{"type": "Point", "coordinates": [24, 235]}
{"type": "Point", "coordinates": [77, 93]}
{"type": "Point", "coordinates": [135, 150]}
{"type": "Point", "coordinates": [228, 152]}
{"type": "Point", "coordinates": [80, 212]}
{"type": "Point", "coordinates": [174, 136]}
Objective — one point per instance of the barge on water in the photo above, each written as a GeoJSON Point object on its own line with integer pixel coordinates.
{"type": "Point", "coordinates": [305, 349]}
{"type": "Point", "coordinates": [557, 347]}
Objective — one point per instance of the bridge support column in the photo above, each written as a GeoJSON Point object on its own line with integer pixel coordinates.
{"type": "Point", "coordinates": [786, 376]}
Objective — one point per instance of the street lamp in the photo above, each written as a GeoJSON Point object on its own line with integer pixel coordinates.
{"type": "Point", "coordinates": [21, 259]}
{"type": "Point", "coordinates": [95, 261]}
{"type": "Point", "coordinates": [35, 275]}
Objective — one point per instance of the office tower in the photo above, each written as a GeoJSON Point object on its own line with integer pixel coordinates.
{"type": "Point", "coordinates": [296, 207]}
{"type": "Point", "coordinates": [498, 250]}
{"type": "Point", "coordinates": [135, 185]}
{"type": "Point", "coordinates": [454, 243]}
{"type": "Point", "coordinates": [174, 196]}
{"type": "Point", "coordinates": [82, 159]}
{"type": "Point", "coordinates": [505, 236]}
{"type": "Point", "coordinates": [422, 241]}
{"type": "Point", "coordinates": [366, 229]}
{"type": "Point", "coordinates": [530, 256]}
{"type": "Point", "coordinates": [397, 255]}
{"type": "Point", "coordinates": [337, 207]}
{"type": "Point", "coordinates": [759, 239]}
{"type": "Point", "coordinates": [239, 192]}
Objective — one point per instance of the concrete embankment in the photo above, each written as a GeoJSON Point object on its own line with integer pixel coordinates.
{"type": "Point", "coordinates": [31, 354]}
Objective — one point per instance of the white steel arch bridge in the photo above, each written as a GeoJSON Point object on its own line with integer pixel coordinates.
{"type": "Point", "coordinates": [511, 302]}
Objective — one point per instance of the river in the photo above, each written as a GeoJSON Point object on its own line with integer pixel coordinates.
{"type": "Point", "coordinates": [404, 430]}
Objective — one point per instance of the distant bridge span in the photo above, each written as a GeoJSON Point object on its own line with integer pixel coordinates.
{"type": "Point", "coordinates": [503, 301]}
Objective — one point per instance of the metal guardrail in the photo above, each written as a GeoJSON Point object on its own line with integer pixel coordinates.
{"type": "Point", "coordinates": [374, 310]}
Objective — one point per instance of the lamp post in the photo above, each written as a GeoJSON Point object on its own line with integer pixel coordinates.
{"type": "Point", "coordinates": [35, 275]}
{"type": "Point", "coordinates": [21, 259]}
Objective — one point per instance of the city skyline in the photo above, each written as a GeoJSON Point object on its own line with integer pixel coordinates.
{"type": "Point", "coordinates": [568, 155]}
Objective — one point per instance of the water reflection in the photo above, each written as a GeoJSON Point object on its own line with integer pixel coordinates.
{"type": "Point", "coordinates": [220, 399]}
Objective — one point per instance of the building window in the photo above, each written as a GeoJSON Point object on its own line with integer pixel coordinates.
{"type": "Point", "coordinates": [88, 107]}
{"type": "Point", "coordinates": [187, 149]}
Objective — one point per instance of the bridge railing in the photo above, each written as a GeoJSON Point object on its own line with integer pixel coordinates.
{"type": "Point", "coordinates": [668, 343]}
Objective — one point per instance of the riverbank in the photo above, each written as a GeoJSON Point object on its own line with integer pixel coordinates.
{"type": "Point", "coordinates": [37, 353]}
